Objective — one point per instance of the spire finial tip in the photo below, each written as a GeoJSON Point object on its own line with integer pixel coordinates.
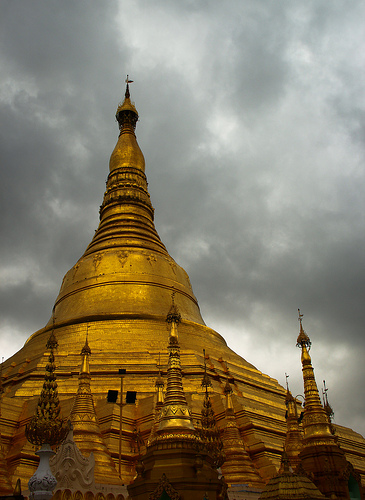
{"type": "Point", "coordinates": [127, 81]}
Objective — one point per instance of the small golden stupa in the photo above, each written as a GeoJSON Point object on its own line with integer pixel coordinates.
{"type": "Point", "coordinates": [118, 294]}
{"type": "Point", "coordinates": [321, 457]}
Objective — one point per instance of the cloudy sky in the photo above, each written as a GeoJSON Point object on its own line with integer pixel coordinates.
{"type": "Point", "coordinates": [252, 123]}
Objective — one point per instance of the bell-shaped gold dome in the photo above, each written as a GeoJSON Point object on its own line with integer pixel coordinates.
{"type": "Point", "coordinates": [126, 270]}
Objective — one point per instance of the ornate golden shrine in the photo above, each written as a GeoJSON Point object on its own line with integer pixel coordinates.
{"type": "Point", "coordinates": [118, 294]}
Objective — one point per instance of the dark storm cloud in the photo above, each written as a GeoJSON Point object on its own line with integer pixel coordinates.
{"type": "Point", "coordinates": [251, 122]}
{"type": "Point", "coordinates": [52, 142]}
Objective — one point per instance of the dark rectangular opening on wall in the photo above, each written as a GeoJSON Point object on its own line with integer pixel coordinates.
{"type": "Point", "coordinates": [131, 397]}
{"type": "Point", "coordinates": [112, 396]}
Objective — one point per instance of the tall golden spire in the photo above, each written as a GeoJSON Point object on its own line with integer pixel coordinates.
{"type": "Point", "coordinates": [175, 413]}
{"type": "Point", "coordinates": [127, 205]}
{"type": "Point", "coordinates": [177, 453]}
{"type": "Point", "coordinates": [320, 456]}
{"type": "Point", "coordinates": [86, 430]}
{"type": "Point", "coordinates": [315, 421]}
{"type": "Point", "coordinates": [46, 426]}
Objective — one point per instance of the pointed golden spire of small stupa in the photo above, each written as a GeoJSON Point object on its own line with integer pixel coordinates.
{"type": "Point", "coordinates": [86, 430]}
{"type": "Point", "coordinates": [327, 407]}
{"type": "Point", "coordinates": [175, 413]}
{"type": "Point", "coordinates": [46, 426]}
{"type": "Point", "coordinates": [159, 384]}
{"type": "Point", "coordinates": [237, 460]}
{"type": "Point", "coordinates": [293, 439]}
{"type": "Point", "coordinates": [209, 431]}
{"type": "Point", "coordinates": [85, 353]}
{"type": "Point", "coordinates": [315, 421]}
{"type": "Point", "coordinates": [321, 457]}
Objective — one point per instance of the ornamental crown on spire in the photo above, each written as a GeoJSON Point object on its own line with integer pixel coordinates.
{"type": "Point", "coordinates": [126, 111]}
{"type": "Point", "coordinates": [303, 339]}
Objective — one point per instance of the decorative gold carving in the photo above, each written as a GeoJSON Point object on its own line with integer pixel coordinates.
{"type": "Point", "coordinates": [173, 265]}
{"type": "Point", "coordinates": [164, 485]}
{"type": "Point", "coordinates": [178, 435]}
{"type": "Point", "coordinates": [151, 258]}
{"type": "Point", "coordinates": [123, 256]}
{"type": "Point", "coordinates": [96, 260]}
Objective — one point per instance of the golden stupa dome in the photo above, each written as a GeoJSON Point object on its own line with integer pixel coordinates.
{"type": "Point", "coordinates": [126, 270]}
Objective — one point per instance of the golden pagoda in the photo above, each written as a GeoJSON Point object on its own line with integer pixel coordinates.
{"type": "Point", "coordinates": [237, 461]}
{"type": "Point", "coordinates": [118, 294]}
{"type": "Point", "coordinates": [178, 455]}
{"type": "Point", "coordinates": [321, 457]}
{"type": "Point", "coordinates": [86, 429]}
